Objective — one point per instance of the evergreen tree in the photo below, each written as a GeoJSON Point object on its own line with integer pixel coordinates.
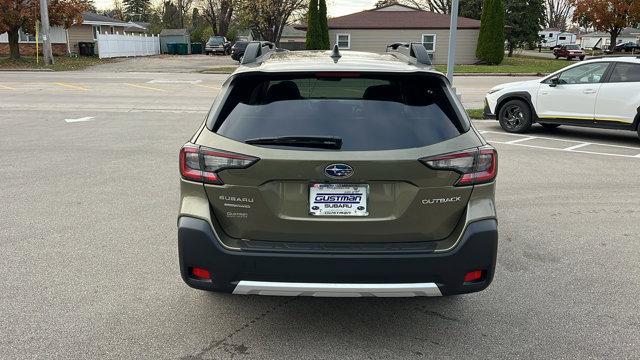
{"type": "Point", "coordinates": [491, 39]}
{"type": "Point", "coordinates": [136, 10]}
{"type": "Point", "coordinates": [324, 27]}
{"type": "Point", "coordinates": [314, 37]}
{"type": "Point", "coordinates": [524, 19]}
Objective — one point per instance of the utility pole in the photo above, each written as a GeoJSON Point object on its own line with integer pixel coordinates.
{"type": "Point", "coordinates": [47, 54]}
{"type": "Point", "coordinates": [453, 31]}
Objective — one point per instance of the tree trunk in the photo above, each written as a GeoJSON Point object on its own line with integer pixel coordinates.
{"type": "Point", "coordinates": [614, 39]}
{"type": "Point", "coordinates": [511, 46]}
{"type": "Point", "coordinates": [14, 46]}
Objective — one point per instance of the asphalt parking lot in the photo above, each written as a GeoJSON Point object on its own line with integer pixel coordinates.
{"type": "Point", "coordinates": [89, 267]}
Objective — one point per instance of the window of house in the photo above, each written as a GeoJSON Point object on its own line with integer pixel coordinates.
{"type": "Point", "coordinates": [550, 35]}
{"type": "Point", "coordinates": [562, 38]}
{"type": "Point", "coordinates": [96, 31]}
{"type": "Point", "coordinates": [429, 42]}
{"type": "Point", "coordinates": [343, 41]}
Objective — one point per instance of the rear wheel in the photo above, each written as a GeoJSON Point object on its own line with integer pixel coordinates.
{"type": "Point", "coordinates": [581, 58]}
{"type": "Point", "coordinates": [550, 126]}
{"type": "Point", "coordinates": [515, 116]}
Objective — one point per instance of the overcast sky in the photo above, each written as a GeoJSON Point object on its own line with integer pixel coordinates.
{"type": "Point", "coordinates": [334, 7]}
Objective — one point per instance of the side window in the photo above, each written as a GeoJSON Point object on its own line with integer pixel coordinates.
{"type": "Point", "coordinates": [343, 41]}
{"type": "Point", "coordinates": [584, 74]}
{"type": "Point", "coordinates": [562, 38]}
{"type": "Point", "coordinates": [625, 73]}
{"type": "Point", "coordinates": [429, 42]}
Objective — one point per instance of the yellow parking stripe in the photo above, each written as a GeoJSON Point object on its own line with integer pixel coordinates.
{"type": "Point", "coordinates": [72, 86]}
{"type": "Point", "coordinates": [145, 87]}
{"type": "Point", "coordinates": [6, 87]}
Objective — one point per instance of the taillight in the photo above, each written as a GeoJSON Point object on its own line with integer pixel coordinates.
{"type": "Point", "coordinates": [477, 166]}
{"type": "Point", "coordinates": [202, 164]}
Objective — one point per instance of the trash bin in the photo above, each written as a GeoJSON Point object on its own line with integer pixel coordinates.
{"type": "Point", "coordinates": [182, 49]}
{"type": "Point", "coordinates": [86, 48]}
{"type": "Point", "coordinates": [196, 48]}
{"type": "Point", "coordinates": [172, 48]}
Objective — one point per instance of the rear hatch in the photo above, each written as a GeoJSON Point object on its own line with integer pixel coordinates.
{"type": "Point", "coordinates": [336, 158]}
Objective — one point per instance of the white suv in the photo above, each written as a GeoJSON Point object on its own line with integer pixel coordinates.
{"type": "Point", "coordinates": [599, 93]}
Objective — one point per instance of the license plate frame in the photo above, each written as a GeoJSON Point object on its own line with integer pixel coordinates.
{"type": "Point", "coordinates": [336, 200]}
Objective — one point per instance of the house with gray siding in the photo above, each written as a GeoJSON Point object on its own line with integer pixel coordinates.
{"type": "Point", "coordinates": [372, 30]}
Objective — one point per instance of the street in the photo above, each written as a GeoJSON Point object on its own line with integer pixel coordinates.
{"type": "Point", "coordinates": [89, 265]}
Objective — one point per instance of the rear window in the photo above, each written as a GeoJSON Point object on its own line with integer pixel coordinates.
{"type": "Point", "coordinates": [573, 47]}
{"type": "Point", "coordinates": [367, 112]}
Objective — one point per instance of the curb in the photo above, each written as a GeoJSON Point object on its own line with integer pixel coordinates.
{"type": "Point", "coordinates": [31, 70]}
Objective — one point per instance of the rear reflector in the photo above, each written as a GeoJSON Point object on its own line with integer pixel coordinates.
{"type": "Point", "coordinates": [477, 166]}
{"type": "Point", "coordinates": [200, 273]}
{"type": "Point", "coordinates": [201, 164]}
{"type": "Point", "coordinates": [473, 276]}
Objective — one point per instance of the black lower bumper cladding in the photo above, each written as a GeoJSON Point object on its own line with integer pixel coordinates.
{"type": "Point", "coordinates": [199, 247]}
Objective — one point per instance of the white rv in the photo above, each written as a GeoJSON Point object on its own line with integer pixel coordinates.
{"type": "Point", "coordinates": [551, 38]}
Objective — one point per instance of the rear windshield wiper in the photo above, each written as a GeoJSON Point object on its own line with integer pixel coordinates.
{"type": "Point", "coordinates": [322, 142]}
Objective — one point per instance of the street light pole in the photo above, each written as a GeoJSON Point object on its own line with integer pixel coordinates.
{"type": "Point", "coordinates": [453, 30]}
{"type": "Point", "coordinates": [47, 54]}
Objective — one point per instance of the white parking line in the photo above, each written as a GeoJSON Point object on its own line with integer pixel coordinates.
{"type": "Point", "coordinates": [569, 151]}
{"type": "Point", "coordinates": [86, 118]}
{"type": "Point", "coordinates": [520, 140]}
{"type": "Point", "coordinates": [557, 139]}
{"type": "Point", "coordinates": [576, 146]}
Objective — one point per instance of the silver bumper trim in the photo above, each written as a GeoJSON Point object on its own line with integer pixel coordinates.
{"type": "Point", "coordinates": [245, 287]}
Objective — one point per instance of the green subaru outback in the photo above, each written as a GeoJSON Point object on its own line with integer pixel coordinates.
{"type": "Point", "coordinates": [337, 174]}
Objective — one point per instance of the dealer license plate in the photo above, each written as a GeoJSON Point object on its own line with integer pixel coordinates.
{"type": "Point", "coordinates": [338, 200]}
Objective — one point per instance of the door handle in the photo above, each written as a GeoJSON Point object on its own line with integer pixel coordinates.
{"type": "Point", "coordinates": [590, 91]}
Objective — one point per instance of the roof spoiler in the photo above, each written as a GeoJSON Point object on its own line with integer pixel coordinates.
{"type": "Point", "coordinates": [413, 52]}
{"type": "Point", "coordinates": [257, 52]}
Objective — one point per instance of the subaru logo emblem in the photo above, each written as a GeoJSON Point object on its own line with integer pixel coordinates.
{"type": "Point", "coordinates": [338, 171]}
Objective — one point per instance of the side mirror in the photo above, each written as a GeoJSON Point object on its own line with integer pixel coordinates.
{"type": "Point", "coordinates": [554, 82]}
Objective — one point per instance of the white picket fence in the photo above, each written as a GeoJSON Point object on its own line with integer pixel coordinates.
{"type": "Point", "coordinates": [116, 45]}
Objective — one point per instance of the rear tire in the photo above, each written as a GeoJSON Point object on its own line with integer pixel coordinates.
{"type": "Point", "coordinates": [550, 126]}
{"type": "Point", "coordinates": [581, 58]}
{"type": "Point", "coordinates": [515, 116]}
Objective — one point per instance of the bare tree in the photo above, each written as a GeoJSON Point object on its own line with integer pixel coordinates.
{"type": "Point", "coordinates": [438, 6]}
{"type": "Point", "coordinates": [184, 7]}
{"type": "Point", "coordinates": [267, 18]}
{"type": "Point", "coordinates": [558, 13]}
{"type": "Point", "coordinates": [218, 14]}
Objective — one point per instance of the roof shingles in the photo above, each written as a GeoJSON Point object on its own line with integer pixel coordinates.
{"type": "Point", "coordinates": [418, 19]}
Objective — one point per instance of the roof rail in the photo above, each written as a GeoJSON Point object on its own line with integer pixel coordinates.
{"type": "Point", "coordinates": [413, 51]}
{"type": "Point", "coordinates": [257, 51]}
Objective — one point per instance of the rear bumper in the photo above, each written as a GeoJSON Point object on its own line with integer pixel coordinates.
{"type": "Point", "coordinates": [215, 50]}
{"type": "Point", "coordinates": [330, 274]}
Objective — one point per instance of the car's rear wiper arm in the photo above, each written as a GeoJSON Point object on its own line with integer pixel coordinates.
{"type": "Point", "coordinates": [323, 142]}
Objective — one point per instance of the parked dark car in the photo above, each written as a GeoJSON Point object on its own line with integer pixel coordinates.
{"type": "Point", "coordinates": [217, 45]}
{"type": "Point", "coordinates": [569, 52]}
{"type": "Point", "coordinates": [237, 50]}
{"type": "Point", "coordinates": [627, 47]}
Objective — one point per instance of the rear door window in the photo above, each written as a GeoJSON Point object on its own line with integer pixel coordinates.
{"type": "Point", "coordinates": [625, 73]}
{"type": "Point", "coordinates": [366, 112]}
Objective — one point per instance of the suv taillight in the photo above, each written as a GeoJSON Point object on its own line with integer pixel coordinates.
{"type": "Point", "coordinates": [202, 164]}
{"type": "Point", "coordinates": [477, 166]}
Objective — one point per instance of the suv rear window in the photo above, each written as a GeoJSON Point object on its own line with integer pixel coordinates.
{"type": "Point", "coordinates": [368, 112]}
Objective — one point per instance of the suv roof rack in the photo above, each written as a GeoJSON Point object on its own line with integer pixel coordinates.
{"type": "Point", "coordinates": [413, 52]}
{"type": "Point", "coordinates": [257, 52]}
